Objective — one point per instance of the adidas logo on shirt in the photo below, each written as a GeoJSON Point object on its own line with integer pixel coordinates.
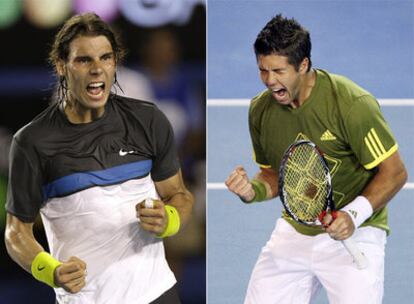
{"type": "Point", "coordinates": [327, 135]}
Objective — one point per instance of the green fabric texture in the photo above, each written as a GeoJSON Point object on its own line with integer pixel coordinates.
{"type": "Point", "coordinates": [343, 120]}
{"type": "Point", "coordinates": [259, 190]}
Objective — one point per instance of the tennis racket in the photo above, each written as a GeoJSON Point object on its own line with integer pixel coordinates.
{"type": "Point", "coordinates": [305, 190]}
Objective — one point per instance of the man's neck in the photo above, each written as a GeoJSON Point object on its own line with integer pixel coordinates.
{"type": "Point", "coordinates": [77, 114]}
{"type": "Point", "coordinates": [306, 86]}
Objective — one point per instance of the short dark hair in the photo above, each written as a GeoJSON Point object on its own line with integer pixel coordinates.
{"type": "Point", "coordinates": [88, 24]}
{"type": "Point", "coordinates": [284, 37]}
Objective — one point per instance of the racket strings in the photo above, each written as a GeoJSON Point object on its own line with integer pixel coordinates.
{"type": "Point", "coordinates": [305, 184]}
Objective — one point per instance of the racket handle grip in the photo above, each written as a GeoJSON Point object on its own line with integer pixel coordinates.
{"type": "Point", "coordinates": [360, 259]}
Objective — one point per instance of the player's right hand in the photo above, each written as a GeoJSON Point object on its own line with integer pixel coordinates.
{"type": "Point", "coordinates": [71, 275]}
{"type": "Point", "coordinates": [238, 183]}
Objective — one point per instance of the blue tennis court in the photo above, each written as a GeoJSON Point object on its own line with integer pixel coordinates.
{"type": "Point", "coordinates": [372, 43]}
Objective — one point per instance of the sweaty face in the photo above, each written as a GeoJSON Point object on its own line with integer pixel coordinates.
{"type": "Point", "coordinates": [89, 71]}
{"type": "Point", "coordinates": [280, 77]}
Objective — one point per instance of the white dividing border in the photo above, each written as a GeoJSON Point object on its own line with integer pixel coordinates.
{"type": "Point", "coordinates": [246, 102]}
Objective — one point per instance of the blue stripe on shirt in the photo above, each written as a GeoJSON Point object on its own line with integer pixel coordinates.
{"type": "Point", "coordinates": [79, 181]}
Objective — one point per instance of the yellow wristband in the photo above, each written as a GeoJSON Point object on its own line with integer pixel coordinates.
{"type": "Point", "coordinates": [173, 224]}
{"type": "Point", "coordinates": [43, 268]}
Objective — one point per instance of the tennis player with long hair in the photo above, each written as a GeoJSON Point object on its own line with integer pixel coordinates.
{"type": "Point", "coordinates": [346, 123]}
{"type": "Point", "coordinates": [87, 164]}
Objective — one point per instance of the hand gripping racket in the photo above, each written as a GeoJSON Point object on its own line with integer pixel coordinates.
{"type": "Point", "coordinates": [305, 190]}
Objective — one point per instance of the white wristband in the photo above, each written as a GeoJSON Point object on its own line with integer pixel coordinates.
{"type": "Point", "coordinates": [359, 209]}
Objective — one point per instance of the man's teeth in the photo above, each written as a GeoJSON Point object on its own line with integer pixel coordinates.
{"type": "Point", "coordinates": [96, 84]}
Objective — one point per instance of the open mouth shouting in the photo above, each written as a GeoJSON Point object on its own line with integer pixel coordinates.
{"type": "Point", "coordinates": [96, 90]}
{"type": "Point", "coordinates": [280, 94]}
{"type": "Point", "coordinates": [280, 91]}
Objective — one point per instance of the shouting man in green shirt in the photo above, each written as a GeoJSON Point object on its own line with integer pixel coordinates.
{"type": "Point", "coordinates": [345, 122]}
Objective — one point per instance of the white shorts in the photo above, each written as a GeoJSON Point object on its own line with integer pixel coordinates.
{"type": "Point", "coordinates": [292, 267]}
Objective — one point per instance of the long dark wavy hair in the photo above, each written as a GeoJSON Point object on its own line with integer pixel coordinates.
{"type": "Point", "coordinates": [88, 24]}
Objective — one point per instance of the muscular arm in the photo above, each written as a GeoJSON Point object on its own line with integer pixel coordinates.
{"type": "Point", "coordinates": [390, 178]}
{"type": "Point", "coordinates": [23, 248]}
{"type": "Point", "coordinates": [173, 192]}
{"type": "Point", "coordinates": [20, 242]}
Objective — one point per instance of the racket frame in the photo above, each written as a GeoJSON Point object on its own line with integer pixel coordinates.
{"type": "Point", "coordinates": [329, 202]}
{"type": "Point", "coordinates": [350, 245]}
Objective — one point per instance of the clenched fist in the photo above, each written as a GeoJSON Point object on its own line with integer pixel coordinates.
{"type": "Point", "coordinates": [238, 182]}
{"type": "Point", "coordinates": [152, 219]}
{"type": "Point", "coordinates": [71, 275]}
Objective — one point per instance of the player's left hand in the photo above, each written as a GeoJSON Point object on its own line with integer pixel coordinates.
{"type": "Point", "coordinates": [339, 228]}
{"type": "Point", "coordinates": [152, 219]}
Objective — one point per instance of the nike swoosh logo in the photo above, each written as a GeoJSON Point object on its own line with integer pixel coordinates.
{"type": "Point", "coordinates": [122, 152]}
{"type": "Point", "coordinates": [40, 268]}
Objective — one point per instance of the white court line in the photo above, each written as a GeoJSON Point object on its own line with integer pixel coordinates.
{"type": "Point", "coordinates": [222, 186]}
{"type": "Point", "coordinates": [246, 102]}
